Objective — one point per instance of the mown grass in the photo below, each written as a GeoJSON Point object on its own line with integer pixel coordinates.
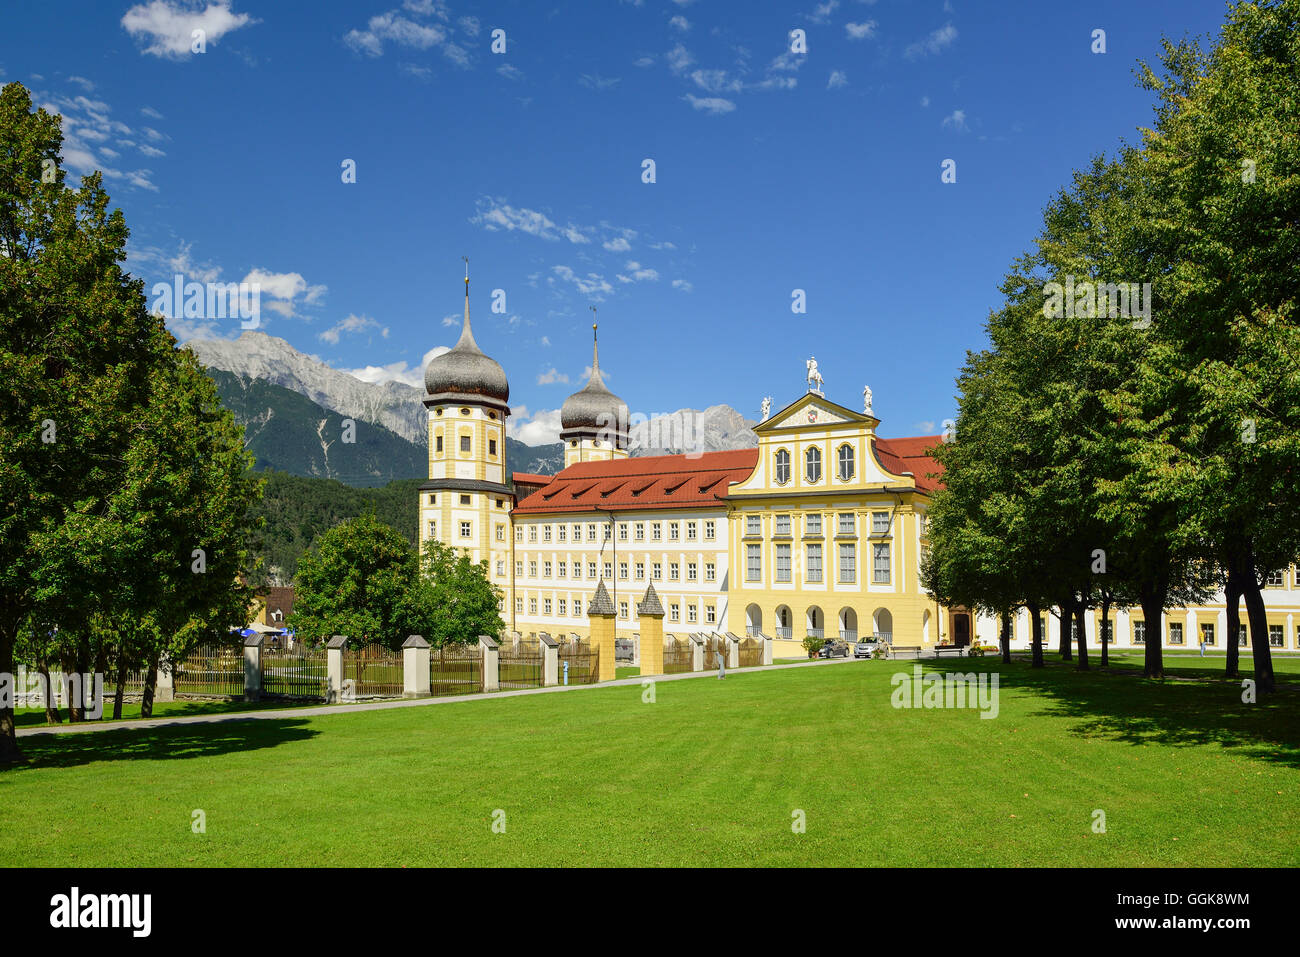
{"type": "Point", "coordinates": [710, 773]}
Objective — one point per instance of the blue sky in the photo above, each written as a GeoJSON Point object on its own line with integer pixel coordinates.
{"type": "Point", "coordinates": [775, 171]}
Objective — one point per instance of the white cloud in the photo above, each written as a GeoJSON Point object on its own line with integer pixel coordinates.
{"type": "Point", "coordinates": [956, 120]}
{"type": "Point", "coordinates": [594, 286]}
{"type": "Point", "coordinates": [837, 80]}
{"type": "Point", "coordinates": [450, 321]}
{"type": "Point", "coordinates": [638, 273]}
{"type": "Point", "coordinates": [822, 12]}
{"type": "Point", "coordinates": [150, 112]}
{"type": "Point", "coordinates": [860, 31]}
{"type": "Point", "coordinates": [679, 59]}
{"type": "Point", "coordinates": [551, 377]}
{"type": "Point", "coordinates": [470, 25]}
{"type": "Point", "coordinates": [284, 288]}
{"type": "Point", "coordinates": [938, 41]}
{"type": "Point", "coordinates": [352, 324]}
{"type": "Point", "coordinates": [397, 371]}
{"type": "Point", "coordinates": [597, 82]}
{"type": "Point", "coordinates": [392, 27]}
{"type": "Point", "coordinates": [710, 104]}
{"type": "Point", "coordinates": [681, 23]}
{"type": "Point", "coordinates": [546, 340]}
{"type": "Point", "coordinates": [540, 428]}
{"type": "Point", "coordinates": [167, 26]}
{"type": "Point", "coordinates": [82, 82]}
{"type": "Point", "coordinates": [925, 101]}
{"type": "Point", "coordinates": [618, 245]}
{"type": "Point", "coordinates": [510, 71]}
{"type": "Point", "coordinates": [644, 61]}
{"type": "Point", "coordinates": [683, 284]}
{"type": "Point", "coordinates": [496, 214]}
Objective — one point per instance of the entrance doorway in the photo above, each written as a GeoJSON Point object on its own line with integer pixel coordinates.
{"type": "Point", "coordinates": [961, 630]}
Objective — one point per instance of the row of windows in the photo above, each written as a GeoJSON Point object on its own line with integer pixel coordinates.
{"type": "Point", "coordinates": [564, 607]}
{"type": "Point", "coordinates": [1177, 633]}
{"type": "Point", "coordinates": [466, 529]}
{"type": "Point", "coordinates": [813, 464]}
{"type": "Point", "coordinates": [848, 558]}
{"type": "Point", "coordinates": [636, 529]}
{"type": "Point", "coordinates": [845, 524]}
{"type": "Point", "coordinates": [466, 445]}
{"type": "Point", "coordinates": [464, 500]}
{"type": "Point", "coordinates": [562, 569]}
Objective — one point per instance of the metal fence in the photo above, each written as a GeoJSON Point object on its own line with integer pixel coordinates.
{"type": "Point", "coordinates": [520, 663]}
{"type": "Point", "coordinates": [678, 656]}
{"type": "Point", "coordinates": [210, 668]}
{"type": "Point", "coordinates": [375, 671]}
{"type": "Point", "coordinates": [300, 673]}
{"type": "Point", "coordinates": [583, 660]}
{"type": "Point", "coordinates": [751, 652]}
{"type": "Point", "coordinates": [456, 669]}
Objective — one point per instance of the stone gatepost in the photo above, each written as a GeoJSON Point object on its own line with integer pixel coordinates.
{"type": "Point", "coordinates": [697, 652]}
{"type": "Point", "coordinates": [491, 662]}
{"type": "Point", "coordinates": [600, 614]}
{"type": "Point", "coordinates": [164, 687]}
{"type": "Point", "coordinates": [767, 648]}
{"type": "Point", "coordinates": [636, 649]}
{"type": "Point", "coordinates": [334, 667]}
{"type": "Point", "coordinates": [733, 650]}
{"type": "Point", "coordinates": [550, 660]}
{"type": "Point", "coordinates": [253, 667]}
{"type": "Point", "coordinates": [415, 667]}
{"type": "Point", "coordinates": [651, 639]}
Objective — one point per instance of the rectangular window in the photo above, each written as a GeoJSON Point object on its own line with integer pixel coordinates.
{"type": "Point", "coordinates": [546, 569]}
{"type": "Point", "coordinates": [1207, 633]}
{"type": "Point", "coordinates": [673, 531]}
{"type": "Point", "coordinates": [657, 571]}
{"type": "Point", "coordinates": [437, 443]}
{"type": "Point", "coordinates": [1175, 633]}
{"type": "Point", "coordinates": [622, 531]}
{"type": "Point", "coordinates": [433, 499]}
{"type": "Point", "coordinates": [710, 530]}
{"type": "Point", "coordinates": [753, 525]}
{"type": "Point", "coordinates": [673, 571]}
{"type": "Point", "coordinates": [501, 568]}
{"type": "Point", "coordinates": [1139, 633]}
{"type": "Point", "coordinates": [492, 446]}
{"type": "Point", "coordinates": [465, 500]}
{"type": "Point", "coordinates": [546, 533]}
{"type": "Point", "coordinates": [577, 532]}
{"type": "Point", "coordinates": [532, 569]}
{"type": "Point", "coordinates": [1242, 635]}
{"type": "Point", "coordinates": [622, 609]}
{"type": "Point", "coordinates": [879, 523]}
{"type": "Point", "coordinates": [465, 530]}
{"type": "Point", "coordinates": [519, 569]}
{"type": "Point", "coordinates": [640, 531]}
{"type": "Point", "coordinates": [691, 574]}
{"type": "Point", "coordinates": [561, 568]}
{"type": "Point", "coordinates": [753, 563]}
{"type": "Point", "coordinates": [608, 568]}
{"type": "Point", "coordinates": [1275, 580]}
{"type": "Point", "coordinates": [783, 563]}
{"type": "Point", "coordinates": [656, 531]}
{"type": "Point", "coordinates": [1107, 632]}
{"type": "Point", "coordinates": [608, 531]}
{"type": "Point", "coordinates": [782, 525]}
{"type": "Point", "coordinates": [519, 606]}
{"type": "Point", "coordinates": [591, 569]}
{"type": "Point", "coordinates": [561, 606]}
{"type": "Point", "coordinates": [814, 563]}
{"type": "Point", "coordinates": [710, 571]}
{"type": "Point", "coordinates": [532, 606]}
{"type": "Point", "coordinates": [691, 613]}
{"type": "Point", "coordinates": [546, 606]}
{"type": "Point", "coordinates": [710, 614]}
{"type": "Point", "coordinates": [846, 523]}
{"type": "Point", "coordinates": [561, 533]}
{"type": "Point", "coordinates": [640, 571]}
{"type": "Point", "coordinates": [880, 563]}
{"type": "Point", "coordinates": [674, 612]}
{"type": "Point", "coordinates": [519, 533]}
{"type": "Point", "coordinates": [690, 531]}
{"type": "Point", "coordinates": [464, 443]}
{"type": "Point", "coordinates": [591, 533]}
{"type": "Point", "coordinates": [433, 528]}
{"type": "Point", "coordinates": [814, 523]}
{"type": "Point", "coordinates": [1275, 636]}
{"type": "Point", "coordinates": [532, 533]}
{"type": "Point", "coordinates": [501, 533]}
{"type": "Point", "coordinates": [848, 563]}
{"type": "Point", "coordinates": [622, 570]}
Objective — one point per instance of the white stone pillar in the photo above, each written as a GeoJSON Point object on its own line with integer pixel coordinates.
{"type": "Point", "coordinates": [697, 652]}
{"type": "Point", "coordinates": [334, 667]}
{"type": "Point", "coordinates": [733, 650]}
{"type": "Point", "coordinates": [164, 688]}
{"type": "Point", "coordinates": [550, 660]}
{"type": "Point", "coordinates": [491, 663]}
{"type": "Point", "coordinates": [767, 648]}
{"type": "Point", "coordinates": [253, 667]}
{"type": "Point", "coordinates": [415, 667]}
{"type": "Point", "coordinates": [1123, 631]}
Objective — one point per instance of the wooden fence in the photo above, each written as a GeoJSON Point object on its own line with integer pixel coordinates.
{"type": "Point", "coordinates": [679, 656]}
{"type": "Point", "coordinates": [520, 663]}
{"type": "Point", "coordinates": [300, 673]}
{"type": "Point", "coordinates": [583, 661]}
{"type": "Point", "coordinates": [455, 669]}
{"type": "Point", "coordinates": [375, 672]}
{"type": "Point", "coordinates": [210, 668]}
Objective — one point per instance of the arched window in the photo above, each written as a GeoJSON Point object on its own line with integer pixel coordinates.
{"type": "Point", "coordinates": [782, 467]}
{"type": "Point", "coordinates": [846, 462]}
{"type": "Point", "coordinates": [814, 466]}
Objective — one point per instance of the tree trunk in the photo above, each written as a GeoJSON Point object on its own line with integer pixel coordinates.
{"type": "Point", "coordinates": [1153, 606]}
{"type": "Point", "coordinates": [52, 714]}
{"type": "Point", "coordinates": [1063, 640]}
{"type": "Point", "coordinates": [1006, 637]}
{"type": "Point", "coordinates": [150, 679]}
{"type": "Point", "coordinates": [1081, 638]}
{"type": "Point", "coordinates": [1036, 624]}
{"type": "Point", "coordinates": [1105, 629]}
{"type": "Point", "coordinates": [71, 677]}
{"type": "Point", "coordinates": [1257, 615]}
{"type": "Point", "coordinates": [8, 736]}
{"type": "Point", "coordinates": [120, 693]}
{"type": "Point", "coordinates": [1232, 598]}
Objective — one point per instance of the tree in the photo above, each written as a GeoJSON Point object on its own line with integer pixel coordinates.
{"type": "Point", "coordinates": [453, 602]}
{"type": "Point", "coordinates": [355, 581]}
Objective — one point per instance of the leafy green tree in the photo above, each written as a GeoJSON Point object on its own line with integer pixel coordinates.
{"type": "Point", "coordinates": [355, 581]}
{"type": "Point", "coordinates": [453, 602]}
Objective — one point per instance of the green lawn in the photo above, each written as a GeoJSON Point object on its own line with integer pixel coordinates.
{"type": "Point", "coordinates": [709, 773]}
{"type": "Point", "coordinates": [35, 717]}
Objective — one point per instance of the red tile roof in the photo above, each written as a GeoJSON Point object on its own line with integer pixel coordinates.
{"type": "Point", "coordinates": [653, 481]}
{"type": "Point", "coordinates": [530, 478]}
{"type": "Point", "coordinates": [908, 455]}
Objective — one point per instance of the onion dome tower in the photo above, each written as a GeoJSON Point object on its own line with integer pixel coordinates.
{"type": "Point", "coordinates": [593, 421]}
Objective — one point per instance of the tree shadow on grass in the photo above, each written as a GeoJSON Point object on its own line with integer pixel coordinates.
{"type": "Point", "coordinates": [1187, 709]}
{"type": "Point", "coordinates": [174, 742]}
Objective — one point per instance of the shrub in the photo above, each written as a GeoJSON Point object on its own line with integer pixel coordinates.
{"type": "Point", "coordinates": [813, 645]}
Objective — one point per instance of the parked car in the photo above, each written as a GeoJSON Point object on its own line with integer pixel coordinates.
{"type": "Point", "coordinates": [865, 649]}
{"type": "Point", "coordinates": [834, 649]}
